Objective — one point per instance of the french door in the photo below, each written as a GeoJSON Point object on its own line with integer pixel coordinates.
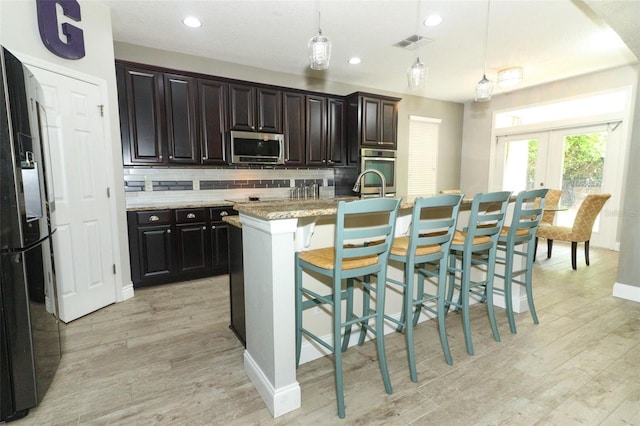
{"type": "Point", "coordinates": [577, 160]}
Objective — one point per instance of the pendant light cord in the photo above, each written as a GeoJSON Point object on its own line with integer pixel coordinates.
{"type": "Point", "coordinates": [486, 39]}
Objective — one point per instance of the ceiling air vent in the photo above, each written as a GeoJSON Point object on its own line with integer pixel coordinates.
{"type": "Point", "coordinates": [413, 42]}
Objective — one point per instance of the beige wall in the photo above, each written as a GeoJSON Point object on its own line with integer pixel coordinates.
{"type": "Point", "coordinates": [449, 112]}
{"type": "Point", "coordinates": [19, 33]}
{"type": "Point", "coordinates": [476, 149]}
{"type": "Point", "coordinates": [629, 261]}
{"type": "Point", "coordinates": [478, 117]}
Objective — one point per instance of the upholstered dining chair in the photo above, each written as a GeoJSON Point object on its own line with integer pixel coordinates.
{"type": "Point", "coordinates": [552, 199]}
{"type": "Point", "coordinates": [581, 230]}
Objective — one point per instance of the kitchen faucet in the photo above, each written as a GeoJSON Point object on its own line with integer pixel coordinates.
{"type": "Point", "coordinates": [356, 187]}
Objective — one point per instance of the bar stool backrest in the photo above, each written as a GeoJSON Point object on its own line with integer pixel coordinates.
{"type": "Point", "coordinates": [371, 219]}
{"type": "Point", "coordinates": [527, 214]}
{"type": "Point", "coordinates": [433, 222]}
{"type": "Point", "coordinates": [488, 211]}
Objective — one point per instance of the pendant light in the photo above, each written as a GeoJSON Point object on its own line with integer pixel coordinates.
{"type": "Point", "coordinates": [417, 73]}
{"type": "Point", "coordinates": [484, 88]}
{"type": "Point", "coordinates": [319, 50]}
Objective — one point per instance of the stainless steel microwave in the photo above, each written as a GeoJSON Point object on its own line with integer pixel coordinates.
{"type": "Point", "coordinates": [257, 148]}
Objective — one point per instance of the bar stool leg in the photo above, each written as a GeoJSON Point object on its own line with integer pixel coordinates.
{"type": "Point", "coordinates": [508, 286]}
{"type": "Point", "coordinates": [489, 293]}
{"type": "Point", "coordinates": [337, 354]}
{"type": "Point", "coordinates": [408, 319]}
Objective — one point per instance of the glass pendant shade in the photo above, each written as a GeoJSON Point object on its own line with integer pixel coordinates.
{"type": "Point", "coordinates": [417, 75]}
{"type": "Point", "coordinates": [319, 52]}
{"type": "Point", "coordinates": [484, 89]}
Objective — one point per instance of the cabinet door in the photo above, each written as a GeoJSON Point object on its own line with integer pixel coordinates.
{"type": "Point", "coordinates": [220, 247]}
{"type": "Point", "coordinates": [336, 132]}
{"type": "Point", "coordinates": [370, 121]}
{"type": "Point", "coordinates": [294, 127]}
{"type": "Point", "coordinates": [269, 110]}
{"type": "Point", "coordinates": [242, 101]}
{"type": "Point", "coordinates": [212, 98]}
{"type": "Point", "coordinates": [143, 137]}
{"type": "Point", "coordinates": [180, 104]}
{"type": "Point", "coordinates": [192, 250]}
{"type": "Point", "coordinates": [316, 130]}
{"type": "Point", "coordinates": [154, 253]}
{"type": "Point", "coordinates": [388, 123]}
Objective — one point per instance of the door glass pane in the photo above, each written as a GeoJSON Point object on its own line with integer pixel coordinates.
{"type": "Point", "coordinates": [520, 165]}
{"type": "Point", "coordinates": [582, 170]}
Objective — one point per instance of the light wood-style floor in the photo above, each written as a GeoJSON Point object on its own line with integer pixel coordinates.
{"type": "Point", "coordinates": [167, 357]}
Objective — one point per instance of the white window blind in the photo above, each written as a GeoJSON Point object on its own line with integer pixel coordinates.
{"type": "Point", "coordinates": [424, 134]}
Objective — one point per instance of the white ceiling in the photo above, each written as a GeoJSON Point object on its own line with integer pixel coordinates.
{"type": "Point", "coordinates": [550, 39]}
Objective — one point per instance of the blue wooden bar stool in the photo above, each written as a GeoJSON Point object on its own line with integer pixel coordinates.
{"type": "Point", "coordinates": [356, 222]}
{"type": "Point", "coordinates": [476, 245]}
{"type": "Point", "coordinates": [425, 252]}
{"type": "Point", "coordinates": [518, 239]}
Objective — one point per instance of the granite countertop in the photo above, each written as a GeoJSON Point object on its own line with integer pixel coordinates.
{"type": "Point", "coordinates": [287, 209]}
{"type": "Point", "coordinates": [180, 205]}
{"type": "Point", "coordinates": [233, 221]}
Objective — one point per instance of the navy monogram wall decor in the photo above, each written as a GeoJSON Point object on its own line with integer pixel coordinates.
{"type": "Point", "coordinates": [73, 46]}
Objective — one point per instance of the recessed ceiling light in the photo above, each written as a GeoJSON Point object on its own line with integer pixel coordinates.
{"type": "Point", "coordinates": [433, 20]}
{"type": "Point", "coordinates": [192, 22]}
{"type": "Point", "coordinates": [355, 60]}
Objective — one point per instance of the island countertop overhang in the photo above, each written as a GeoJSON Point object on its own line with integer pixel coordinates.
{"type": "Point", "coordinates": [291, 209]}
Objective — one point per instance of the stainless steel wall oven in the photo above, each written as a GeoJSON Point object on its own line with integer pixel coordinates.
{"type": "Point", "coordinates": [382, 160]}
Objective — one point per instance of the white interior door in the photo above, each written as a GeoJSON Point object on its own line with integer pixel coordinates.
{"type": "Point", "coordinates": [83, 251]}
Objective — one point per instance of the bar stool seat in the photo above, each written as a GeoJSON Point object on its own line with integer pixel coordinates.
{"type": "Point", "coordinates": [349, 260]}
{"type": "Point", "coordinates": [476, 245]}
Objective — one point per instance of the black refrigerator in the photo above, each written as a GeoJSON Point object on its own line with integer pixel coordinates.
{"type": "Point", "coordinates": [29, 328]}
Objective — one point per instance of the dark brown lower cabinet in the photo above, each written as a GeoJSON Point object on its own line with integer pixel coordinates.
{"type": "Point", "coordinates": [177, 245]}
{"type": "Point", "coordinates": [236, 284]}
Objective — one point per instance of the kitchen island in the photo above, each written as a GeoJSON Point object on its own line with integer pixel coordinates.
{"type": "Point", "coordinates": [272, 233]}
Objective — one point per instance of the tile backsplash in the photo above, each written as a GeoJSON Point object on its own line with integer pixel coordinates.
{"type": "Point", "coordinates": [162, 186]}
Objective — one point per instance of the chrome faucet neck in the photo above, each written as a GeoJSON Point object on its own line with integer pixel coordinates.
{"type": "Point", "coordinates": [356, 187]}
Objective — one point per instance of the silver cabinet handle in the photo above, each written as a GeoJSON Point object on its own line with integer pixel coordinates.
{"type": "Point", "coordinates": [213, 227]}
{"type": "Point", "coordinates": [154, 218]}
{"type": "Point", "coordinates": [191, 216]}
{"type": "Point", "coordinates": [168, 231]}
{"type": "Point", "coordinates": [224, 213]}
{"type": "Point", "coordinates": [204, 228]}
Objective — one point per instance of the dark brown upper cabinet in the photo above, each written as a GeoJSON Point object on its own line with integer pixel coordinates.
{"type": "Point", "coordinates": [293, 116]}
{"type": "Point", "coordinates": [373, 121]}
{"type": "Point", "coordinates": [255, 109]}
{"type": "Point", "coordinates": [168, 118]}
{"type": "Point", "coordinates": [142, 124]}
{"type": "Point", "coordinates": [326, 131]}
{"type": "Point", "coordinates": [212, 98]}
{"type": "Point", "coordinates": [180, 109]}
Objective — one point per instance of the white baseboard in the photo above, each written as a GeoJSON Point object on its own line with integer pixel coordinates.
{"type": "Point", "coordinates": [279, 401]}
{"type": "Point", "coordinates": [626, 291]}
{"type": "Point", "coordinates": [127, 292]}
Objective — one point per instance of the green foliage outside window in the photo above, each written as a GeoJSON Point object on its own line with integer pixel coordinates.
{"type": "Point", "coordinates": [584, 157]}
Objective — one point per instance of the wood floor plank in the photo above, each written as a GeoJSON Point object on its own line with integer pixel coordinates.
{"type": "Point", "coordinates": [167, 357]}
